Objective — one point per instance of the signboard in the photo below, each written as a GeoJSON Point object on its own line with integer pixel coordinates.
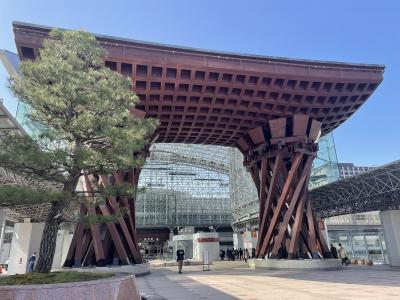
{"type": "Point", "coordinates": [208, 240]}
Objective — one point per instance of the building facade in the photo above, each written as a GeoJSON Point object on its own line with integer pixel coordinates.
{"type": "Point", "coordinates": [347, 170]}
{"type": "Point", "coordinates": [360, 234]}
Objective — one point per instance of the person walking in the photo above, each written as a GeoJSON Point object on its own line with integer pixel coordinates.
{"type": "Point", "coordinates": [180, 256]}
{"type": "Point", "coordinates": [246, 255]}
{"type": "Point", "coordinates": [342, 255]}
{"type": "Point", "coordinates": [32, 262]}
{"type": "Point", "coordinates": [240, 254]}
{"type": "Point", "coordinates": [334, 251]}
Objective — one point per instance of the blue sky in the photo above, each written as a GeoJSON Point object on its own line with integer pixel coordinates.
{"type": "Point", "coordinates": [363, 31]}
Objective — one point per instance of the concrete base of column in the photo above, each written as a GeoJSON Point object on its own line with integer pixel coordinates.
{"type": "Point", "coordinates": [295, 264]}
{"type": "Point", "coordinates": [391, 228]}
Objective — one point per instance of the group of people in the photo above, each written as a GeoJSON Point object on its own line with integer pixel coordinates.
{"type": "Point", "coordinates": [340, 253]}
{"type": "Point", "coordinates": [240, 254]}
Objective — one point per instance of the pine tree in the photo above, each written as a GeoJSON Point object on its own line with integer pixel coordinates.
{"type": "Point", "coordinates": [85, 109]}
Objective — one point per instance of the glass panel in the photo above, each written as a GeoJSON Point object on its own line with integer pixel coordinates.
{"type": "Point", "coordinates": [325, 168]}
{"type": "Point", "coordinates": [374, 248]}
{"type": "Point", "coordinates": [359, 247]}
{"type": "Point", "coordinates": [341, 237]}
{"type": "Point", "coordinates": [184, 185]}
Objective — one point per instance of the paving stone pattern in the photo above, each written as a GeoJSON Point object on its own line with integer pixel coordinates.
{"type": "Point", "coordinates": [234, 280]}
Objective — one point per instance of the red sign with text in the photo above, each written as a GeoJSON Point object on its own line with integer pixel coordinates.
{"type": "Point", "coordinates": [208, 240]}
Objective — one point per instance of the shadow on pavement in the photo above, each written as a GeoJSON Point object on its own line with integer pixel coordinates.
{"type": "Point", "coordinates": [378, 275]}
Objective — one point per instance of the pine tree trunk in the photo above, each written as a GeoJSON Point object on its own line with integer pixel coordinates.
{"type": "Point", "coordinates": [49, 237]}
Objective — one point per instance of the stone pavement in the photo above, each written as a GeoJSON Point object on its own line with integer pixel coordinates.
{"type": "Point", "coordinates": [234, 280]}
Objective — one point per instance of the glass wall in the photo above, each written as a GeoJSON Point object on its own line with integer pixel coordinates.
{"type": "Point", "coordinates": [243, 193]}
{"type": "Point", "coordinates": [325, 166]}
{"type": "Point", "coordinates": [9, 61]}
{"type": "Point", "coordinates": [361, 244]}
{"type": "Point", "coordinates": [19, 110]}
{"type": "Point", "coordinates": [184, 185]}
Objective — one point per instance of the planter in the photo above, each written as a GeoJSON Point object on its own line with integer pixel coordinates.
{"type": "Point", "coordinates": [116, 288]}
{"type": "Point", "coordinates": [137, 269]}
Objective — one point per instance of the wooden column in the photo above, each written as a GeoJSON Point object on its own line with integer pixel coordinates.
{"type": "Point", "coordinates": [111, 242]}
{"type": "Point", "coordinates": [280, 157]}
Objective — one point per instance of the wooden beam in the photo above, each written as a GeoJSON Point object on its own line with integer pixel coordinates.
{"type": "Point", "coordinates": [95, 228]}
{"type": "Point", "coordinates": [296, 229]}
{"type": "Point", "coordinates": [265, 242]}
{"type": "Point", "coordinates": [263, 185]}
{"type": "Point", "coordinates": [277, 128]}
{"type": "Point", "coordinates": [288, 214]}
{"type": "Point", "coordinates": [311, 229]}
{"type": "Point", "coordinates": [262, 228]}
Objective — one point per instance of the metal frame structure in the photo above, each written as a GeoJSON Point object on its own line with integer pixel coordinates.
{"type": "Point", "coordinates": [184, 185]}
{"type": "Point", "coordinates": [213, 158]}
{"type": "Point", "coordinates": [377, 189]}
{"type": "Point", "coordinates": [243, 193]}
{"type": "Point", "coordinates": [7, 125]}
{"type": "Point", "coordinates": [38, 212]}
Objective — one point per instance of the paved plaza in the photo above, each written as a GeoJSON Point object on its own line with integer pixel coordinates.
{"type": "Point", "coordinates": [234, 280]}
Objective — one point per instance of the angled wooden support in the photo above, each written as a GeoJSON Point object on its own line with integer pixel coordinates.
{"type": "Point", "coordinates": [280, 157]}
{"type": "Point", "coordinates": [273, 225]}
{"type": "Point", "coordinates": [127, 234]}
{"type": "Point", "coordinates": [266, 200]}
{"type": "Point", "coordinates": [74, 255]}
{"type": "Point", "coordinates": [108, 241]}
{"type": "Point", "coordinates": [94, 228]}
{"type": "Point", "coordinates": [292, 205]}
{"type": "Point", "coordinates": [297, 226]}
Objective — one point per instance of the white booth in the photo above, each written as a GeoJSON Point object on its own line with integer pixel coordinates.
{"type": "Point", "coordinates": [206, 241]}
{"type": "Point", "coordinates": [196, 244]}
